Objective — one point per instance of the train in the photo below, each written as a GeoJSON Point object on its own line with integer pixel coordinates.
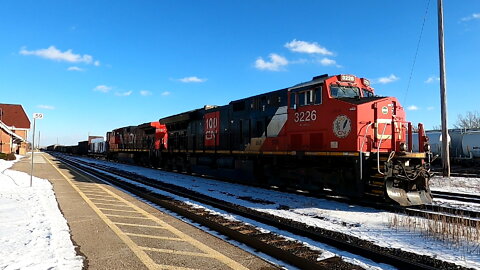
{"type": "Point", "coordinates": [464, 144]}
{"type": "Point", "coordinates": [328, 134]}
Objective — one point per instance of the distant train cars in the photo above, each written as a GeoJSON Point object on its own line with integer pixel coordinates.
{"type": "Point", "coordinates": [94, 146]}
{"type": "Point", "coordinates": [464, 144]}
{"type": "Point", "coordinates": [329, 133]}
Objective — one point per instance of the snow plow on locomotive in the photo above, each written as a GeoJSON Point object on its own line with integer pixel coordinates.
{"type": "Point", "coordinates": [328, 133]}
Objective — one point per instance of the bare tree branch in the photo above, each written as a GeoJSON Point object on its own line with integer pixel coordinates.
{"type": "Point", "coordinates": [469, 121]}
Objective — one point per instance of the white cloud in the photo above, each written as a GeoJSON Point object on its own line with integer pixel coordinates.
{"type": "Point", "coordinates": [123, 94]}
{"type": "Point", "coordinates": [432, 79]}
{"type": "Point", "coordinates": [306, 47]}
{"type": "Point", "coordinates": [96, 63]}
{"type": "Point", "coordinates": [328, 62]}
{"type": "Point", "coordinates": [430, 108]}
{"type": "Point", "coordinates": [474, 16]}
{"type": "Point", "coordinates": [276, 62]}
{"type": "Point", "coordinates": [193, 79]}
{"type": "Point", "coordinates": [166, 93]}
{"type": "Point", "coordinates": [46, 107]}
{"type": "Point", "coordinates": [74, 68]}
{"type": "Point", "coordinates": [55, 54]}
{"type": "Point", "coordinates": [102, 88]}
{"type": "Point", "coordinates": [145, 93]}
{"type": "Point", "coordinates": [412, 108]}
{"type": "Point", "coordinates": [389, 79]}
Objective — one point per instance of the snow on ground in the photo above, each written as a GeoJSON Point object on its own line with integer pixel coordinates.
{"type": "Point", "coordinates": [33, 232]}
{"type": "Point", "coordinates": [469, 185]}
{"type": "Point", "coordinates": [364, 223]}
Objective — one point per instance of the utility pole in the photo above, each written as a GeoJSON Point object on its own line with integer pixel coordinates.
{"type": "Point", "coordinates": [35, 117]}
{"type": "Point", "coordinates": [443, 94]}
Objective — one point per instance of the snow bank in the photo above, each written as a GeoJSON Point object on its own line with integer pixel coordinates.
{"type": "Point", "coordinates": [456, 184]}
{"type": "Point", "coordinates": [33, 232]}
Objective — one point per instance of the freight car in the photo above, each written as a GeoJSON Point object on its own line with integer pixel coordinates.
{"type": "Point", "coordinates": [97, 147]}
{"type": "Point", "coordinates": [330, 133]}
{"type": "Point", "coordinates": [464, 144]}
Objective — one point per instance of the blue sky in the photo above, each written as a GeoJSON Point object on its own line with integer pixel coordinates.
{"type": "Point", "coordinates": [92, 66]}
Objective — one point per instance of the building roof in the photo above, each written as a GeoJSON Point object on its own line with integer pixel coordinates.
{"type": "Point", "coordinates": [13, 115]}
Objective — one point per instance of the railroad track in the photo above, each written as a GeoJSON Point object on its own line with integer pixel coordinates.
{"type": "Point", "coordinates": [270, 244]}
{"type": "Point", "coordinates": [471, 198]}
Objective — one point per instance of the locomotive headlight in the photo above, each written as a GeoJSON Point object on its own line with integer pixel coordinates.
{"type": "Point", "coordinates": [403, 147]}
{"type": "Point", "coordinates": [366, 82]}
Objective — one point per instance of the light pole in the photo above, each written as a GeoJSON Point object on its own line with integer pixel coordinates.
{"type": "Point", "coordinates": [35, 117]}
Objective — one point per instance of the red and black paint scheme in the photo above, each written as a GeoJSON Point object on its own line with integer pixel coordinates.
{"type": "Point", "coordinates": [137, 143]}
{"type": "Point", "coordinates": [330, 133]}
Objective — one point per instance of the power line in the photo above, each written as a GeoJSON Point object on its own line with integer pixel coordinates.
{"type": "Point", "coordinates": [416, 52]}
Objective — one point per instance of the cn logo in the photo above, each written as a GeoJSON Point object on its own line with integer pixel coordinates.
{"type": "Point", "coordinates": [212, 128]}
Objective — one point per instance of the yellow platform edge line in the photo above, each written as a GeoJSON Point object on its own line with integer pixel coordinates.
{"type": "Point", "coordinates": [177, 252]}
{"type": "Point", "coordinates": [122, 216]}
{"type": "Point", "coordinates": [144, 258]}
{"type": "Point", "coordinates": [139, 225]}
{"type": "Point", "coordinates": [155, 237]}
{"type": "Point", "coordinates": [118, 210]}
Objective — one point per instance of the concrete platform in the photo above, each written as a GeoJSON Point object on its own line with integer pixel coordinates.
{"type": "Point", "coordinates": [113, 230]}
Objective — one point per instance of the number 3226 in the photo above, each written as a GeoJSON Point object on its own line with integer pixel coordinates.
{"type": "Point", "coordinates": [306, 116]}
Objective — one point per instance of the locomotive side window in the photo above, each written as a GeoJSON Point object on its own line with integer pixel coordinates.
{"type": "Point", "coordinates": [305, 98]}
{"type": "Point", "coordinates": [301, 99]}
{"type": "Point", "coordinates": [308, 97]}
{"type": "Point", "coordinates": [293, 100]}
{"type": "Point", "coordinates": [318, 95]}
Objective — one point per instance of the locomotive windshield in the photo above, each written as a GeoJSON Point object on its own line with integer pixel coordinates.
{"type": "Point", "coordinates": [338, 91]}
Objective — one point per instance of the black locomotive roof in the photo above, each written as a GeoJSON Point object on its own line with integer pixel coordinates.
{"type": "Point", "coordinates": [315, 80]}
{"type": "Point", "coordinates": [181, 117]}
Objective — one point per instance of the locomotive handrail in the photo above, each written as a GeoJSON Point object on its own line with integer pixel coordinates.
{"type": "Point", "coordinates": [361, 148]}
{"type": "Point", "coordinates": [380, 144]}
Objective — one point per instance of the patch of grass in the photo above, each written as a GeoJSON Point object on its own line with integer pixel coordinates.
{"type": "Point", "coordinates": [456, 233]}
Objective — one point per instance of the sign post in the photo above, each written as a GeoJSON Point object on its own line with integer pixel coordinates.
{"type": "Point", "coordinates": [35, 117]}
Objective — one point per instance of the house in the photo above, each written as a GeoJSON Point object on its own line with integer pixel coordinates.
{"type": "Point", "coordinates": [14, 126]}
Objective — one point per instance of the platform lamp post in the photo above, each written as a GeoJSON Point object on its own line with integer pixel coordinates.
{"type": "Point", "coordinates": [35, 117]}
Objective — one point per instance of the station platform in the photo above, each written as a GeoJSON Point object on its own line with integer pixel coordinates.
{"type": "Point", "coordinates": [114, 230]}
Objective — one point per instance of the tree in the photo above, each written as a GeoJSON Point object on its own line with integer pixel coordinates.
{"type": "Point", "coordinates": [470, 120]}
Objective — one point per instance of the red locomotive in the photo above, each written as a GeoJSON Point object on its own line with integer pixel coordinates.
{"type": "Point", "coordinates": [328, 133]}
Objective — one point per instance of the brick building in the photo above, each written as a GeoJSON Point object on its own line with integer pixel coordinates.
{"type": "Point", "coordinates": [14, 126]}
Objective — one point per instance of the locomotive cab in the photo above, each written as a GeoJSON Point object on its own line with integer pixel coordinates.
{"type": "Point", "coordinates": [341, 116]}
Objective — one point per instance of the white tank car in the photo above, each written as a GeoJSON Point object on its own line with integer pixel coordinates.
{"type": "Point", "coordinates": [434, 139]}
{"type": "Point", "coordinates": [471, 144]}
{"type": "Point", "coordinates": [463, 144]}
